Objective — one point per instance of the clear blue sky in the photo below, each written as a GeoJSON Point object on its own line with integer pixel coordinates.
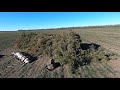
{"type": "Point", "coordinates": [37, 20]}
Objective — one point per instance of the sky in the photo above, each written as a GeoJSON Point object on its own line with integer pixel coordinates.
{"type": "Point", "coordinates": [12, 21]}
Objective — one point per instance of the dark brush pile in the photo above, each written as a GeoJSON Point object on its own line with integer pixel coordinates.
{"type": "Point", "coordinates": [67, 48]}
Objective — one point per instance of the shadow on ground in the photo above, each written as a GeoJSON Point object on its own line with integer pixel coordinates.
{"type": "Point", "coordinates": [1, 56]}
{"type": "Point", "coordinates": [30, 57]}
{"type": "Point", "coordinates": [86, 46]}
{"type": "Point", "coordinates": [86, 60]}
{"type": "Point", "coordinates": [57, 64]}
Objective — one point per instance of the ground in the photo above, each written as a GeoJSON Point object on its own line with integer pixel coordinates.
{"type": "Point", "coordinates": [108, 38]}
{"type": "Point", "coordinates": [10, 67]}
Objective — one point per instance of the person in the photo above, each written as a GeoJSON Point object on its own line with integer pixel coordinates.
{"type": "Point", "coordinates": [52, 61]}
{"type": "Point", "coordinates": [50, 65]}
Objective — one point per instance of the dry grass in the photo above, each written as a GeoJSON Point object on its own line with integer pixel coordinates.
{"type": "Point", "coordinates": [109, 38]}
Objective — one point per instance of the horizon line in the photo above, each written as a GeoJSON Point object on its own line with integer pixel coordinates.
{"type": "Point", "coordinates": [63, 27]}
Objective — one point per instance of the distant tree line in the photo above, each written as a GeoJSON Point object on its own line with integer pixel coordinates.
{"type": "Point", "coordinates": [77, 27]}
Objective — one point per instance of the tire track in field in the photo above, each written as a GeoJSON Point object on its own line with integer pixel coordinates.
{"type": "Point", "coordinates": [90, 71]}
{"type": "Point", "coordinates": [14, 68]}
{"type": "Point", "coordinates": [24, 70]}
{"type": "Point", "coordinates": [97, 68]}
{"type": "Point", "coordinates": [66, 71]}
{"type": "Point", "coordinates": [97, 71]}
{"type": "Point", "coordinates": [115, 65]}
{"type": "Point", "coordinates": [38, 66]}
{"type": "Point", "coordinates": [86, 75]}
{"type": "Point", "coordinates": [17, 71]}
{"type": "Point", "coordinates": [11, 71]}
{"type": "Point", "coordinates": [3, 67]}
{"type": "Point", "coordinates": [18, 68]}
{"type": "Point", "coordinates": [109, 70]}
{"type": "Point", "coordinates": [83, 72]}
{"type": "Point", "coordinates": [102, 70]}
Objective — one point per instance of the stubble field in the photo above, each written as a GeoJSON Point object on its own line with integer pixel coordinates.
{"type": "Point", "coordinates": [107, 37]}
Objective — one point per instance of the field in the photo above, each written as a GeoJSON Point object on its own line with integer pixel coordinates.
{"type": "Point", "coordinates": [107, 37]}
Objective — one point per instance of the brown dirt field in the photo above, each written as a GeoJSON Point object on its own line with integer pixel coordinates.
{"type": "Point", "coordinates": [108, 38]}
{"type": "Point", "coordinates": [12, 68]}
{"type": "Point", "coordinates": [66, 72]}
